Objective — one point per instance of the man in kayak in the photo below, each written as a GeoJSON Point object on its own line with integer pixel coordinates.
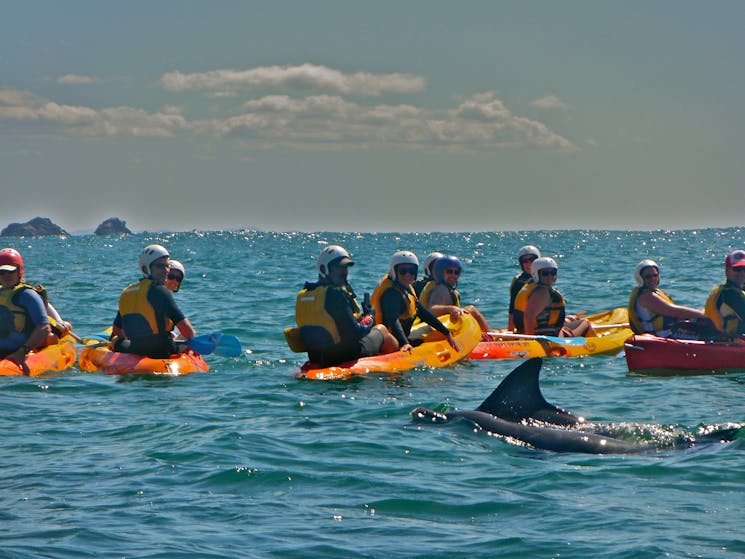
{"type": "Point", "coordinates": [333, 325]}
{"type": "Point", "coordinates": [147, 311]}
{"type": "Point", "coordinates": [429, 262]}
{"type": "Point", "coordinates": [396, 305]}
{"type": "Point", "coordinates": [441, 295]}
{"type": "Point", "coordinates": [24, 322]}
{"type": "Point", "coordinates": [725, 305]}
{"type": "Point", "coordinates": [540, 309]}
{"type": "Point", "coordinates": [525, 257]}
{"type": "Point", "coordinates": [652, 311]}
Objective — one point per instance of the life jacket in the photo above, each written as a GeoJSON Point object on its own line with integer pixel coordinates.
{"type": "Point", "coordinates": [721, 314]}
{"type": "Point", "coordinates": [516, 285]}
{"type": "Point", "coordinates": [386, 283]}
{"type": "Point", "coordinates": [419, 285]}
{"type": "Point", "coordinates": [310, 310]}
{"type": "Point", "coordinates": [12, 315]}
{"type": "Point", "coordinates": [652, 323]}
{"type": "Point", "coordinates": [133, 305]}
{"type": "Point", "coordinates": [549, 320]}
{"type": "Point", "coordinates": [430, 287]}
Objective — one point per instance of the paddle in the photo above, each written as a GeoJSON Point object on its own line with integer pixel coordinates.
{"type": "Point", "coordinates": [575, 341]}
{"type": "Point", "coordinates": [218, 343]}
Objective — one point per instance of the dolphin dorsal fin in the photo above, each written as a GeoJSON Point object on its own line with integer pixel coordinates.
{"type": "Point", "coordinates": [519, 397]}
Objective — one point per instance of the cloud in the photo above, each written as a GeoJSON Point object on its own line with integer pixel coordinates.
{"type": "Point", "coordinates": [305, 77]}
{"type": "Point", "coordinates": [75, 79]}
{"type": "Point", "coordinates": [29, 113]}
{"type": "Point", "coordinates": [481, 122]}
{"type": "Point", "coordinates": [549, 102]}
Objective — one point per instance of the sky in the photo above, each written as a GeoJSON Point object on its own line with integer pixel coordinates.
{"type": "Point", "coordinates": [418, 115]}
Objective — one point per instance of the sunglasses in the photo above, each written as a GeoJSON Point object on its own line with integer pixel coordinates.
{"type": "Point", "coordinates": [547, 273]}
{"type": "Point", "coordinates": [3, 272]}
{"type": "Point", "coordinates": [453, 271]}
{"type": "Point", "coordinates": [739, 269]}
{"type": "Point", "coordinates": [411, 270]}
{"type": "Point", "coordinates": [527, 259]}
{"type": "Point", "coordinates": [177, 277]}
{"type": "Point", "coordinates": [650, 276]}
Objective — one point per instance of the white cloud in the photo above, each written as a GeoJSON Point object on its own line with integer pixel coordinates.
{"type": "Point", "coordinates": [75, 79]}
{"type": "Point", "coordinates": [293, 78]}
{"type": "Point", "coordinates": [549, 102]}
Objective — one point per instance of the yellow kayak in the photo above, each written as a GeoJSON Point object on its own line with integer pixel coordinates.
{"type": "Point", "coordinates": [611, 327]}
{"type": "Point", "coordinates": [435, 351]}
{"type": "Point", "coordinates": [53, 358]}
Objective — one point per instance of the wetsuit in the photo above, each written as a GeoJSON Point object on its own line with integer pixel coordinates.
{"type": "Point", "coordinates": [21, 310]}
{"type": "Point", "coordinates": [517, 284]}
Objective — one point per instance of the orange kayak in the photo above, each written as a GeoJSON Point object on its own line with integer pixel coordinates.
{"type": "Point", "coordinates": [53, 358]}
{"type": "Point", "coordinates": [115, 363]}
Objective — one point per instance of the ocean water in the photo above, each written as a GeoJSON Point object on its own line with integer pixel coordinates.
{"type": "Point", "coordinates": [249, 461]}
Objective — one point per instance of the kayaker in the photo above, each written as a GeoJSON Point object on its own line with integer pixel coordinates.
{"type": "Point", "coordinates": [148, 313]}
{"type": "Point", "coordinates": [725, 305]}
{"type": "Point", "coordinates": [540, 308]}
{"type": "Point", "coordinates": [24, 322]}
{"type": "Point", "coordinates": [176, 275]}
{"type": "Point", "coordinates": [441, 295]}
{"type": "Point", "coordinates": [652, 311]}
{"type": "Point", "coordinates": [396, 305]}
{"type": "Point", "coordinates": [429, 261]}
{"type": "Point", "coordinates": [525, 257]}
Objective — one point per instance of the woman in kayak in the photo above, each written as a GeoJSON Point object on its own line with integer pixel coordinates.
{"type": "Point", "coordinates": [652, 311]}
{"type": "Point", "coordinates": [396, 305]}
{"type": "Point", "coordinates": [540, 308]}
{"type": "Point", "coordinates": [176, 275]}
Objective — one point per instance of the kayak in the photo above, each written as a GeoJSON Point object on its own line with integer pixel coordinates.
{"type": "Point", "coordinates": [434, 351]}
{"type": "Point", "coordinates": [651, 354]}
{"type": "Point", "coordinates": [53, 358]}
{"type": "Point", "coordinates": [93, 359]}
{"type": "Point", "coordinates": [611, 327]}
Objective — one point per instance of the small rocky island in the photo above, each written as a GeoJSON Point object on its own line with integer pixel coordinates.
{"type": "Point", "coordinates": [37, 227]}
{"type": "Point", "coordinates": [112, 226]}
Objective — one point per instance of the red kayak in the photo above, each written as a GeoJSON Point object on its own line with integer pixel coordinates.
{"type": "Point", "coordinates": [646, 352]}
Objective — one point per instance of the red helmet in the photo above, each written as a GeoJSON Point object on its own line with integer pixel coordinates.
{"type": "Point", "coordinates": [11, 257]}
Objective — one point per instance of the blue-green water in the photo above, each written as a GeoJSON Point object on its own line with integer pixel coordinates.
{"type": "Point", "coordinates": [249, 461]}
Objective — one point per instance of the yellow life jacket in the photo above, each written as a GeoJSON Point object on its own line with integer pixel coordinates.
{"type": "Point", "coordinates": [133, 301]}
{"type": "Point", "coordinates": [657, 323]}
{"type": "Point", "coordinates": [310, 310]}
{"type": "Point", "coordinates": [549, 320]}
{"type": "Point", "coordinates": [723, 316]}
{"type": "Point", "coordinates": [384, 285]}
{"type": "Point", "coordinates": [20, 319]}
{"type": "Point", "coordinates": [430, 287]}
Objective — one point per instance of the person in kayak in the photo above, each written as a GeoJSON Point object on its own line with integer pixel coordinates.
{"type": "Point", "coordinates": [652, 311]}
{"type": "Point", "coordinates": [148, 313]}
{"type": "Point", "coordinates": [429, 262]}
{"type": "Point", "coordinates": [333, 325]}
{"type": "Point", "coordinates": [396, 305]}
{"type": "Point", "coordinates": [540, 308]}
{"type": "Point", "coordinates": [725, 305]}
{"type": "Point", "coordinates": [441, 295]}
{"type": "Point", "coordinates": [525, 257]}
{"type": "Point", "coordinates": [24, 322]}
{"type": "Point", "coordinates": [176, 274]}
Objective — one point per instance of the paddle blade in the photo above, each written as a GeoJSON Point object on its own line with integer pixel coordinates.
{"type": "Point", "coordinates": [217, 342]}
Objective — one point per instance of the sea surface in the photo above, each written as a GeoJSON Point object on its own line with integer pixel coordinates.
{"type": "Point", "coordinates": [250, 461]}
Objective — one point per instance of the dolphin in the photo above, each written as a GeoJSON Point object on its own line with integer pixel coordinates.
{"type": "Point", "coordinates": [517, 410]}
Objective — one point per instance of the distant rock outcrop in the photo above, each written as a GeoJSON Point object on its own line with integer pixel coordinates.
{"type": "Point", "coordinates": [37, 227]}
{"type": "Point", "coordinates": [112, 226]}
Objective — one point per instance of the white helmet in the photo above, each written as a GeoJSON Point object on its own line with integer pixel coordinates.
{"type": "Point", "coordinates": [542, 263]}
{"type": "Point", "coordinates": [150, 254]}
{"type": "Point", "coordinates": [431, 257]}
{"type": "Point", "coordinates": [331, 254]}
{"type": "Point", "coordinates": [176, 265]}
{"type": "Point", "coordinates": [646, 263]}
{"type": "Point", "coordinates": [401, 257]}
{"type": "Point", "coordinates": [528, 249]}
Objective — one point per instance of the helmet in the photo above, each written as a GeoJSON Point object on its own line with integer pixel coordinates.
{"type": "Point", "coordinates": [149, 255]}
{"type": "Point", "coordinates": [541, 264]}
{"type": "Point", "coordinates": [176, 265]}
{"type": "Point", "coordinates": [330, 255]}
{"type": "Point", "coordinates": [528, 249]}
{"type": "Point", "coordinates": [431, 257]}
{"type": "Point", "coordinates": [401, 257]}
{"type": "Point", "coordinates": [442, 264]}
{"type": "Point", "coordinates": [646, 263]}
{"type": "Point", "coordinates": [11, 257]}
